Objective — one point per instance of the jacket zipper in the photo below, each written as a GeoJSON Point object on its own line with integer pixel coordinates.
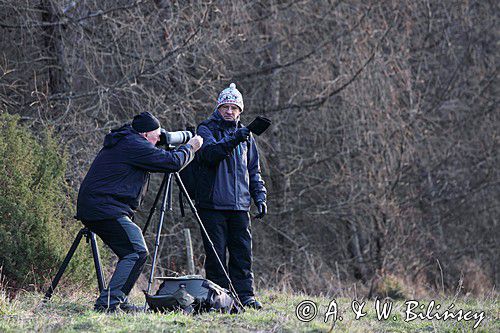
{"type": "Point", "coordinates": [236, 176]}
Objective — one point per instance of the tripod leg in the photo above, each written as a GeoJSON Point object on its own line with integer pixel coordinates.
{"type": "Point", "coordinates": [232, 290]}
{"type": "Point", "coordinates": [166, 192]}
{"type": "Point", "coordinates": [65, 263]}
{"type": "Point", "coordinates": [153, 207]}
{"type": "Point", "coordinates": [97, 262]}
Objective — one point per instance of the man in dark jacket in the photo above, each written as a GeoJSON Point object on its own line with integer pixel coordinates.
{"type": "Point", "coordinates": [113, 189]}
{"type": "Point", "coordinates": [229, 176]}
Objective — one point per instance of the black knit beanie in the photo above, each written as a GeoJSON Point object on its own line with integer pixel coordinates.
{"type": "Point", "coordinates": [145, 122]}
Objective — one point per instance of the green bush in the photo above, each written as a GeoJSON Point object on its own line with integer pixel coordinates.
{"type": "Point", "coordinates": [36, 226]}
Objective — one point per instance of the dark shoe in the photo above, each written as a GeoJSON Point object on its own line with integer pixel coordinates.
{"type": "Point", "coordinates": [253, 303]}
{"type": "Point", "coordinates": [131, 308]}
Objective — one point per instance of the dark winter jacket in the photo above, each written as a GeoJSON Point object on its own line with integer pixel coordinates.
{"type": "Point", "coordinates": [117, 180]}
{"type": "Point", "coordinates": [229, 171]}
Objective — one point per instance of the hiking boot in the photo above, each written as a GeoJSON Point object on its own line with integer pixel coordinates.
{"type": "Point", "coordinates": [253, 303]}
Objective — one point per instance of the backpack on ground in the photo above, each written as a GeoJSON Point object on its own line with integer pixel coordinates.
{"type": "Point", "coordinates": [192, 294]}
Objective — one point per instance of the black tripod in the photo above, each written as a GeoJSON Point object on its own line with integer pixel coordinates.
{"type": "Point", "coordinates": [166, 190]}
{"type": "Point", "coordinates": [90, 236]}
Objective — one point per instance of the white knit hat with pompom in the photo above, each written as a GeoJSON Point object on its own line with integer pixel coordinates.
{"type": "Point", "coordinates": [230, 95]}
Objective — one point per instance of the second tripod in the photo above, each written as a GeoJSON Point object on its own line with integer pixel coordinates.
{"type": "Point", "coordinates": [90, 236]}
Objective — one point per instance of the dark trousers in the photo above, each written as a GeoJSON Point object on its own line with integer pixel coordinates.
{"type": "Point", "coordinates": [125, 238]}
{"type": "Point", "coordinates": [229, 230]}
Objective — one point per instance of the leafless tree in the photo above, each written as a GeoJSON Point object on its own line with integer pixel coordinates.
{"type": "Point", "coordinates": [383, 154]}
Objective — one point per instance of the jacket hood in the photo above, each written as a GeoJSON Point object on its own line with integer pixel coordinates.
{"type": "Point", "coordinates": [225, 123]}
{"type": "Point", "coordinates": [113, 137]}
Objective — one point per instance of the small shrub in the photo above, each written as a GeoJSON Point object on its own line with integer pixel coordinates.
{"type": "Point", "coordinates": [36, 227]}
{"type": "Point", "coordinates": [475, 278]}
{"type": "Point", "coordinates": [390, 286]}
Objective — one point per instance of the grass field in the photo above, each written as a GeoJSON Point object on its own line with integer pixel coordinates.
{"type": "Point", "coordinates": [73, 314]}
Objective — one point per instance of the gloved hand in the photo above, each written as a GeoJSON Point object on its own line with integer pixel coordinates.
{"type": "Point", "coordinates": [242, 134]}
{"type": "Point", "coordinates": [262, 207]}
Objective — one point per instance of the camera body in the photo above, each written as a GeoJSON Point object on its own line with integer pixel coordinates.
{"type": "Point", "coordinates": [172, 140]}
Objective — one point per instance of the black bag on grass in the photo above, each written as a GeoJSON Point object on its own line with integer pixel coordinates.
{"type": "Point", "coordinates": [191, 294]}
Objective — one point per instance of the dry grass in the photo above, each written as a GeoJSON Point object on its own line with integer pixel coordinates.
{"type": "Point", "coordinates": [73, 313]}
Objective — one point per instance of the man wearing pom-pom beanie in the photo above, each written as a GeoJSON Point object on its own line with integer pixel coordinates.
{"type": "Point", "coordinates": [229, 177]}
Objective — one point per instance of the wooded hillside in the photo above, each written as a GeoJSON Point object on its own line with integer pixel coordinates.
{"type": "Point", "coordinates": [382, 160]}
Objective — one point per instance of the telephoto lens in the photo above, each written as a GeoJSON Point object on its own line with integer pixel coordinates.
{"type": "Point", "coordinates": [174, 139]}
{"type": "Point", "coordinates": [178, 138]}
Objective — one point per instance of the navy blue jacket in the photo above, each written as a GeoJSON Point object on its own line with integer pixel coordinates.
{"type": "Point", "coordinates": [229, 171]}
{"type": "Point", "coordinates": [117, 180]}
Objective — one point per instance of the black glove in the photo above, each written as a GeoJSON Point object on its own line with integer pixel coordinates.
{"type": "Point", "coordinates": [262, 207]}
{"type": "Point", "coordinates": [242, 134]}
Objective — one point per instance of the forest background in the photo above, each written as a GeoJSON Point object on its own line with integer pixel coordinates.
{"type": "Point", "coordinates": [381, 164]}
